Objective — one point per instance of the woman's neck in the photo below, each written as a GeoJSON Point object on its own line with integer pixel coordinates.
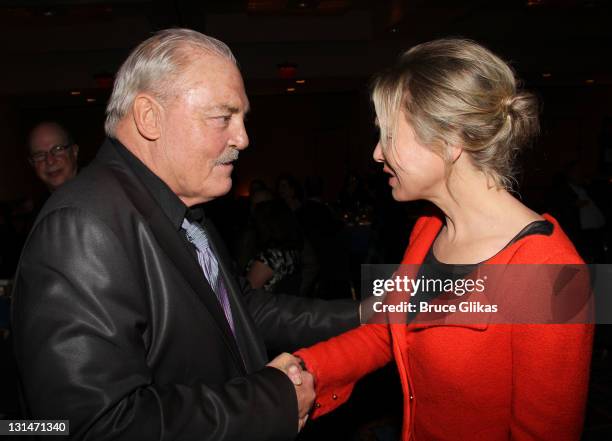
{"type": "Point", "coordinates": [480, 218]}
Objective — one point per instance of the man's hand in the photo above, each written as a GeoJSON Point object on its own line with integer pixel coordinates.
{"type": "Point", "coordinates": [302, 381]}
{"type": "Point", "coordinates": [290, 365]}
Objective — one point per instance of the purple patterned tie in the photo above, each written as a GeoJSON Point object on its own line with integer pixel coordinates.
{"type": "Point", "coordinates": [197, 236]}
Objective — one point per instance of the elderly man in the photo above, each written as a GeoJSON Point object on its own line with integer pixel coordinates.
{"type": "Point", "coordinates": [128, 318]}
{"type": "Point", "coordinates": [53, 154]}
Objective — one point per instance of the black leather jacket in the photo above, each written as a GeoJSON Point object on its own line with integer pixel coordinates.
{"type": "Point", "coordinates": [117, 331]}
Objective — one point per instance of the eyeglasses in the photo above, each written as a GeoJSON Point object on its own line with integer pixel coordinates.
{"type": "Point", "coordinates": [57, 151]}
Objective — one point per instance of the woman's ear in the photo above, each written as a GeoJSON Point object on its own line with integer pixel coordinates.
{"type": "Point", "coordinates": [146, 112]}
{"type": "Point", "coordinates": [454, 152]}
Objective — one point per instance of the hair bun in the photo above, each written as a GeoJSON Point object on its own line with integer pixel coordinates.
{"type": "Point", "coordinates": [523, 111]}
{"type": "Point", "coordinates": [506, 105]}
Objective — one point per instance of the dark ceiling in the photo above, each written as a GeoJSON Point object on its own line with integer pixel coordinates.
{"type": "Point", "coordinates": [53, 48]}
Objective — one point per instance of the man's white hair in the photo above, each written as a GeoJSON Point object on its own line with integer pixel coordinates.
{"type": "Point", "coordinates": [154, 67]}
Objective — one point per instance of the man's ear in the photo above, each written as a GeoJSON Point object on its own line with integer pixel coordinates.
{"type": "Point", "coordinates": [75, 150]}
{"type": "Point", "coordinates": [146, 112]}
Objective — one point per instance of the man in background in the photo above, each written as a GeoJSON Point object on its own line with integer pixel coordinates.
{"type": "Point", "coordinates": [53, 154]}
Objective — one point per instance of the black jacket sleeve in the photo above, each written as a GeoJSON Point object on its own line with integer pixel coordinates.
{"type": "Point", "coordinates": [79, 313]}
{"type": "Point", "coordinates": [288, 323]}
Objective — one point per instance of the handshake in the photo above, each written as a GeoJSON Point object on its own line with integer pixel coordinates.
{"type": "Point", "coordinates": [302, 381]}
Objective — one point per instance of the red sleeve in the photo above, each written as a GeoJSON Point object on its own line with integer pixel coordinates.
{"type": "Point", "coordinates": [338, 363]}
{"type": "Point", "coordinates": [550, 376]}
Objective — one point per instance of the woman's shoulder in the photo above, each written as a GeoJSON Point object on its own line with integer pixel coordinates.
{"type": "Point", "coordinates": [553, 248]}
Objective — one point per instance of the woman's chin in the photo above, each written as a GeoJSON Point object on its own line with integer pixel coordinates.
{"type": "Point", "coordinates": [401, 195]}
{"type": "Point", "coordinates": [397, 194]}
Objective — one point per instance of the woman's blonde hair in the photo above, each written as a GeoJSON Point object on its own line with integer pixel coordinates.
{"type": "Point", "coordinates": [456, 92]}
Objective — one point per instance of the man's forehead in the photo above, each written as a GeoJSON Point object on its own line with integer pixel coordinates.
{"type": "Point", "coordinates": [49, 129]}
{"type": "Point", "coordinates": [219, 83]}
{"type": "Point", "coordinates": [47, 134]}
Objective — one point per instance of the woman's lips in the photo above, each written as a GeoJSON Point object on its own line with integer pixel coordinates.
{"type": "Point", "coordinates": [392, 178]}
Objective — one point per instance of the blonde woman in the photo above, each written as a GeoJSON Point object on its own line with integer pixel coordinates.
{"type": "Point", "coordinates": [451, 121]}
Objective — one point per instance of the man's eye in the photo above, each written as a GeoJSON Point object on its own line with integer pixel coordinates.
{"type": "Point", "coordinates": [221, 120]}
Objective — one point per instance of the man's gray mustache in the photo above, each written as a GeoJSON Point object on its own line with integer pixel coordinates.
{"type": "Point", "coordinates": [229, 156]}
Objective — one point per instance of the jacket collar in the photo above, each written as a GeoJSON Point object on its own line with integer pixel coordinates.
{"type": "Point", "coordinates": [415, 254]}
{"type": "Point", "coordinates": [167, 201]}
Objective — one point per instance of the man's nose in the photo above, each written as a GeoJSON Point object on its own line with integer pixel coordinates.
{"type": "Point", "coordinates": [241, 138]}
{"type": "Point", "coordinates": [50, 159]}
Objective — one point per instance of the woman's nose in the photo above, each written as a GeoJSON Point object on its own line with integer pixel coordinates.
{"type": "Point", "coordinates": [378, 154]}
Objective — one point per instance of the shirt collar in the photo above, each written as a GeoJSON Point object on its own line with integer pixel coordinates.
{"type": "Point", "coordinates": [169, 202]}
{"type": "Point", "coordinates": [195, 214]}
